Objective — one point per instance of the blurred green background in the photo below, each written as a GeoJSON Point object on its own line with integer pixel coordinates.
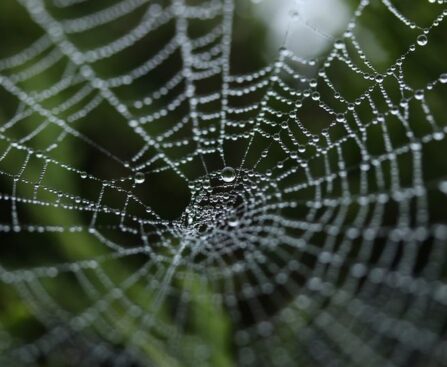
{"type": "Point", "coordinates": [36, 235]}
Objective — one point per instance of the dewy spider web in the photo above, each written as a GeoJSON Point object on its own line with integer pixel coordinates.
{"type": "Point", "coordinates": [309, 234]}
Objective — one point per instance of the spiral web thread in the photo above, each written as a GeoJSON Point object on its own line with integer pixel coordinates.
{"type": "Point", "coordinates": [311, 248]}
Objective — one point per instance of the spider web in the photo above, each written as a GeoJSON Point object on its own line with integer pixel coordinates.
{"type": "Point", "coordinates": [179, 213]}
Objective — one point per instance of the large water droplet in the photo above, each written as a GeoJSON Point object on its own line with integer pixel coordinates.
{"type": "Point", "coordinates": [228, 174]}
{"type": "Point", "coordinates": [443, 78]}
{"type": "Point", "coordinates": [422, 40]}
{"type": "Point", "coordinates": [378, 78]}
{"type": "Point", "coordinates": [340, 117]}
{"type": "Point", "coordinates": [139, 178]}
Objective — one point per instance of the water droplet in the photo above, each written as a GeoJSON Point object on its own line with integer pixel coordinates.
{"type": "Point", "coordinates": [438, 135]}
{"type": "Point", "coordinates": [422, 40]}
{"type": "Point", "coordinates": [443, 186]}
{"type": "Point", "coordinates": [233, 222]}
{"type": "Point", "coordinates": [364, 166]}
{"type": "Point", "coordinates": [339, 44]}
{"type": "Point", "coordinates": [340, 117]}
{"type": "Point", "coordinates": [419, 94]}
{"type": "Point", "coordinates": [228, 174]}
{"type": "Point", "coordinates": [139, 177]}
{"type": "Point", "coordinates": [443, 78]}
{"type": "Point", "coordinates": [315, 96]}
{"type": "Point", "coordinates": [416, 146]}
